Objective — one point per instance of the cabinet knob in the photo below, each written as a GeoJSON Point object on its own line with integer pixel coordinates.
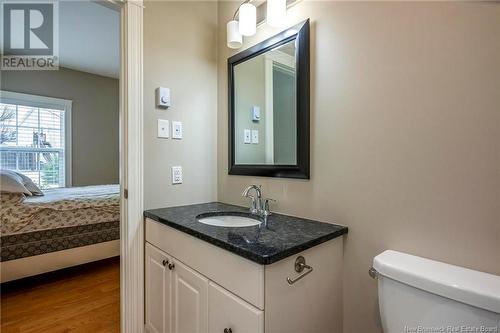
{"type": "Point", "coordinates": [228, 330]}
{"type": "Point", "coordinates": [165, 262]}
{"type": "Point", "coordinates": [171, 266]}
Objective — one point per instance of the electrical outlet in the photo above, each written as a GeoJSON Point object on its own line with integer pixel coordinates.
{"type": "Point", "coordinates": [176, 175]}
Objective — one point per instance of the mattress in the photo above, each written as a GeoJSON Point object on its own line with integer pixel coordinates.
{"type": "Point", "coordinates": [64, 207]}
{"type": "Point", "coordinates": [61, 219]}
{"type": "Point", "coordinates": [45, 241]}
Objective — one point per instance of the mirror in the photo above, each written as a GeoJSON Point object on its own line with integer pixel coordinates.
{"type": "Point", "coordinates": [269, 107]}
{"type": "Point", "coordinates": [265, 104]}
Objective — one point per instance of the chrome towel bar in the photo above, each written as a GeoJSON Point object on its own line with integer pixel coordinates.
{"type": "Point", "coordinates": [300, 265]}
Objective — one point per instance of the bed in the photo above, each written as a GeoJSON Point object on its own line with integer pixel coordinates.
{"type": "Point", "coordinates": [62, 228]}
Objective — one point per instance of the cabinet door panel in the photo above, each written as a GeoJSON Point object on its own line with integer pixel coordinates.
{"type": "Point", "coordinates": [158, 291]}
{"type": "Point", "coordinates": [190, 297]}
{"type": "Point", "coordinates": [227, 311]}
{"type": "Point", "coordinates": [240, 276]}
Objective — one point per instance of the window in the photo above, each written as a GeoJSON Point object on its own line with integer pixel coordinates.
{"type": "Point", "coordinates": [35, 138]}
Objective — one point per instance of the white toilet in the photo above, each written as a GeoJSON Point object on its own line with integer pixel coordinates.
{"type": "Point", "coordinates": [422, 295]}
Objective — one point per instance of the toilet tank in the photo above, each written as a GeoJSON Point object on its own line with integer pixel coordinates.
{"type": "Point", "coordinates": [421, 295]}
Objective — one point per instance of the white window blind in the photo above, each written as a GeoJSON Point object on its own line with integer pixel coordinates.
{"type": "Point", "coordinates": [35, 138]}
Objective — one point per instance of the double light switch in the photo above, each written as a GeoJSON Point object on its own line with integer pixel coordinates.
{"type": "Point", "coordinates": [250, 136]}
{"type": "Point", "coordinates": [164, 130]}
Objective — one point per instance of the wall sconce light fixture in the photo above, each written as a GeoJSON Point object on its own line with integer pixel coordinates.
{"type": "Point", "coordinates": [276, 13]}
{"type": "Point", "coordinates": [247, 24]}
{"type": "Point", "coordinates": [234, 38]}
{"type": "Point", "coordinates": [248, 19]}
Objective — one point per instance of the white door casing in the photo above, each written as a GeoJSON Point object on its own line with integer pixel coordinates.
{"type": "Point", "coordinates": [269, 60]}
{"type": "Point", "coordinates": [131, 165]}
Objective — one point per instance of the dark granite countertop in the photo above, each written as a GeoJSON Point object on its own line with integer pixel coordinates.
{"type": "Point", "coordinates": [284, 236]}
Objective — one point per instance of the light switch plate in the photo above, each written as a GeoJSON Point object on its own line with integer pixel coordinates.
{"type": "Point", "coordinates": [255, 136]}
{"type": "Point", "coordinates": [247, 136]}
{"type": "Point", "coordinates": [176, 175]}
{"type": "Point", "coordinates": [163, 131]}
{"type": "Point", "coordinates": [176, 130]}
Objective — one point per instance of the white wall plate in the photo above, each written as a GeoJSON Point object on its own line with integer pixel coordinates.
{"type": "Point", "coordinates": [163, 129]}
{"type": "Point", "coordinates": [176, 130]}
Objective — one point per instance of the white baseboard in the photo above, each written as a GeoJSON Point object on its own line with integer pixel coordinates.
{"type": "Point", "coordinates": [43, 263]}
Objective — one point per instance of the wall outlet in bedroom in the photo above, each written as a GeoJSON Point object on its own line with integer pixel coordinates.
{"type": "Point", "coordinates": [176, 175]}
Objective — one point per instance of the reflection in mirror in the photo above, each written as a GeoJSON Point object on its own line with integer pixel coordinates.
{"type": "Point", "coordinates": [265, 108]}
{"type": "Point", "coordinates": [268, 104]}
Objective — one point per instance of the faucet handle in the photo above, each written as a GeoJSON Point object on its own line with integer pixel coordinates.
{"type": "Point", "coordinates": [266, 210]}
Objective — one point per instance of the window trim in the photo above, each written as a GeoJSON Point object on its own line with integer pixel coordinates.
{"type": "Point", "coordinates": [10, 97]}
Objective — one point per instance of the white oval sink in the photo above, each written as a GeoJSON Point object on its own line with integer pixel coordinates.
{"type": "Point", "coordinates": [233, 221]}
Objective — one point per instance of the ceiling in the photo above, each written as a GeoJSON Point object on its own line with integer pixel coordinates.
{"type": "Point", "coordinates": [89, 38]}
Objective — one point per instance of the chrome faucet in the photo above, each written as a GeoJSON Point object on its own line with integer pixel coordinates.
{"type": "Point", "coordinates": [256, 206]}
{"type": "Point", "coordinates": [259, 206]}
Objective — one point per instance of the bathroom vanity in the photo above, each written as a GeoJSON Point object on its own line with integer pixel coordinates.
{"type": "Point", "coordinates": [227, 269]}
{"type": "Point", "coordinates": [281, 275]}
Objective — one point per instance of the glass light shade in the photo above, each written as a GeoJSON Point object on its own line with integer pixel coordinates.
{"type": "Point", "coordinates": [234, 38]}
{"type": "Point", "coordinates": [248, 19]}
{"type": "Point", "coordinates": [276, 13]}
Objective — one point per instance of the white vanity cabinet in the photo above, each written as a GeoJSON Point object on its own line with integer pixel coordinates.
{"type": "Point", "coordinates": [229, 313]}
{"type": "Point", "coordinates": [189, 300]}
{"type": "Point", "coordinates": [194, 286]}
{"type": "Point", "coordinates": [179, 299]}
{"type": "Point", "coordinates": [158, 290]}
{"type": "Point", "coordinates": [176, 296]}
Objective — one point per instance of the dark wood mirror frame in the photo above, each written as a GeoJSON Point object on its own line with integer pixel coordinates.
{"type": "Point", "coordinates": [301, 170]}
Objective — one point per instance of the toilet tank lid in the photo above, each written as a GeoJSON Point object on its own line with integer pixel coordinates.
{"type": "Point", "coordinates": [458, 283]}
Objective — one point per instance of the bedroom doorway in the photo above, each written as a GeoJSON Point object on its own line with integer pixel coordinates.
{"type": "Point", "coordinates": [65, 134]}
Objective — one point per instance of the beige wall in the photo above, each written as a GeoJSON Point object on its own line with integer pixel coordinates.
{"type": "Point", "coordinates": [94, 117]}
{"type": "Point", "coordinates": [405, 135]}
{"type": "Point", "coordinates": [180, 53]}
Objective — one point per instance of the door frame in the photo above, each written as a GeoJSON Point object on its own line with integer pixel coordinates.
{"type": "Point", "coordinates": [131, 164]}
{"type": "Point", "coordinates": [269, 60]}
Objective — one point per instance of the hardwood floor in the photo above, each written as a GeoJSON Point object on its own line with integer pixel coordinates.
{"type": "Point", "coordinates": [82, 299]}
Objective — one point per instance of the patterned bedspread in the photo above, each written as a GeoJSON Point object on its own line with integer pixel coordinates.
{"type": "Point", "coordinates": [64, 207]}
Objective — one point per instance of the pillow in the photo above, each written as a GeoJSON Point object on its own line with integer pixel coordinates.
{"type": "Point", "coordinates": [11, 182]}
{"type": "Point", "coordinates": [30, 186]}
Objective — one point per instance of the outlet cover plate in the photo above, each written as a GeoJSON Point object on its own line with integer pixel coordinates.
{"type": "Point", "coordinates": [176, 175]}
